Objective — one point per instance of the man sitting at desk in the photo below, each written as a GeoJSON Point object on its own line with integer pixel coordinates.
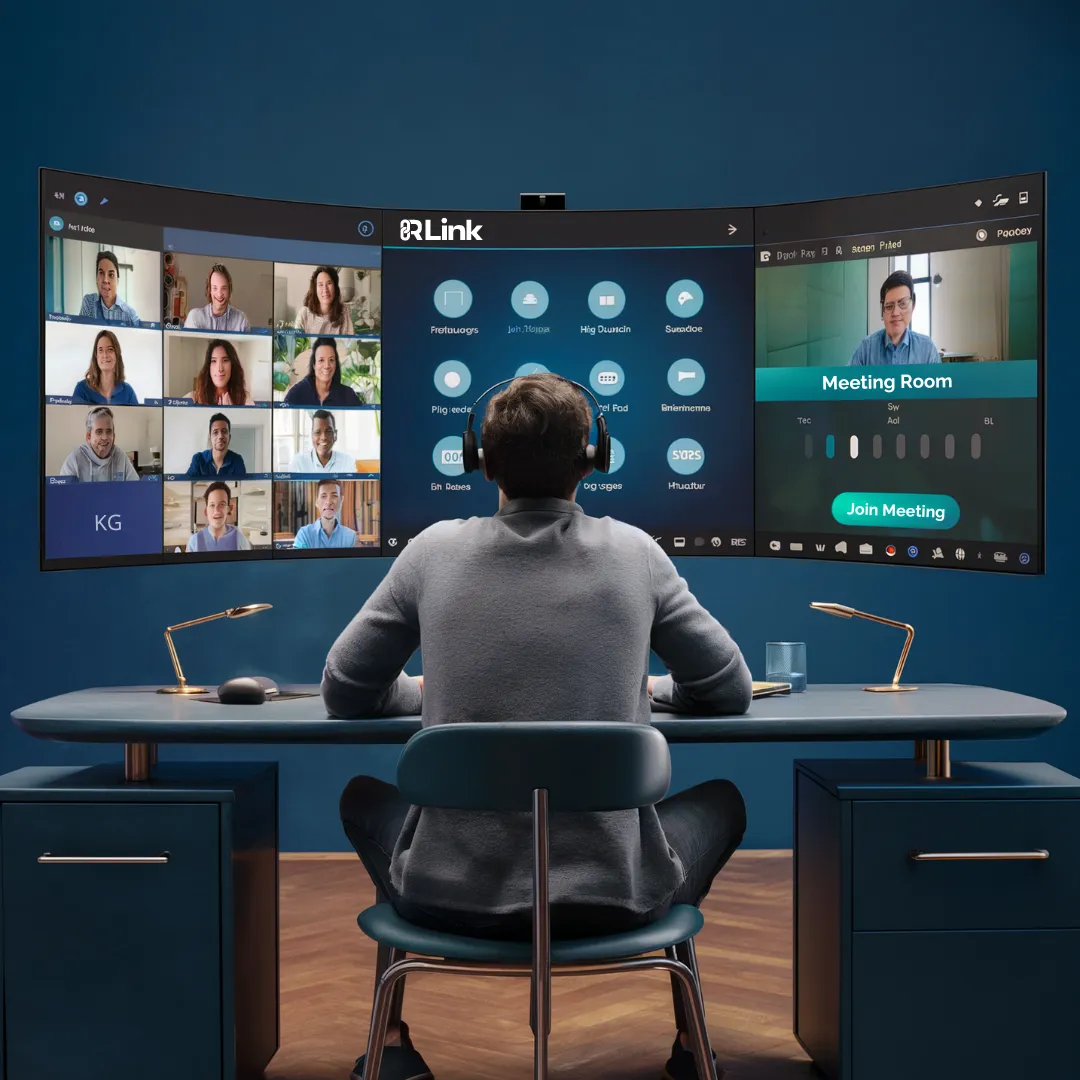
{"type": "Point", "coordinates": [539, 612]}
{"type": "Point", "coordinates": [896, 342]}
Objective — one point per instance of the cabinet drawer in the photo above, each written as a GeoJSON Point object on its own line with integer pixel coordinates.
{"type": "Point", "coordinates": [965, 1005]}
{"type": "Point", "coordinates": [893, 891]}
{"type": "Point", "coordinates": [122, 957]}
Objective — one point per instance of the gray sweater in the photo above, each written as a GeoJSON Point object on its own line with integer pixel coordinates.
{"type": "Point", "coordinates": [538, 613]}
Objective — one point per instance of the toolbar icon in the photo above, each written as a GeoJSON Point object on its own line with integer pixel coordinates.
{"type": "Point", "coordinates": [679, 541]}
{"type": "Point", "coordinates": [937, 554]}
{"type": "Point", "coordinates": [1000, 200]}
{"type": "Point", "coordinates": [1024, 558]}
{"type": "Point", "coordinates": [80, 198]}
{"type": "Point", "coordinates": [1023, 197]}
{"type": "Point", "coordinates": [866, 549]}
{"type": "Point", "coordinates": [841, 547]}
{"type": "Point", "coordinates": [960, 554]}
{"type": "Point", "coordinates": [912, 551]}
{"type": "Point", "coordinates": [774, 545]}
{"type": "Point", "coordinates": [980, 235]}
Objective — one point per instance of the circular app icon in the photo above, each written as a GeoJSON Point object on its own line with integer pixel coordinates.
{"type": "Point", "coordinates": [447, 456]}
{"type": "Point", "coordinates": [80, 198]}
{"type": "Point", "coordinates": [1025, 558]}
{"type": "Point", "coordinates": [453, 298]}
{"type": "Point", "coordinates": [685, 456]}
{"type": "Point", "coordinates": [530, 369]}
{"type": "Point", "coordinates": [529, 299]}
{"type": "Point", "coordinates": [365, 228]}
{"type": "Point", "coordinates": [618, 456]}
{"type": "Point", "coordinates": [912, 551]}
{"type": "Point", "coordinates": [606, 300]}
{"type": "Point", "coordinates": [686, 377]}
{"type": "Point", "coordinates": [607, 378]}
{"type": "Point", "coordinates": [684, 298]}
{"type": "Point", "coordinates": [56, 223]}
{"type": "Point", "coordinates": [452, 378]}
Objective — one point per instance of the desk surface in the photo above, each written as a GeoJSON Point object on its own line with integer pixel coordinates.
{"type": "Point", "coordinates": [133, 714]}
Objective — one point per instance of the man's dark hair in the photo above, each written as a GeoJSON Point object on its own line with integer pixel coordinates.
{"type": "Point", "coordinates": [215, 418]}
{"type": "Point", "coordinates": [107, 255]}
{"type": "Point", "coordinates": [322, 414]}
{"type": "Point", "coordinates": [895, 280]}
{"type": "Point", "coordinates": [217, 485]}
{"type": "Point", "coordinates": [534, 436]}
{"type": "Point", "coordinates": [319, 486]}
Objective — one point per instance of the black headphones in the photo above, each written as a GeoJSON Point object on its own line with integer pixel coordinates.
{"type": "Point", "coordinates": [597, 457]}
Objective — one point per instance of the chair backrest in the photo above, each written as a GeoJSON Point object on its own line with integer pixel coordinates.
{"type": "Point", "coordinates": [583, 765]}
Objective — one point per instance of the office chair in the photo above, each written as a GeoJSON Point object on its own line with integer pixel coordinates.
{"type": "Point", "coordinates": [542, 767]}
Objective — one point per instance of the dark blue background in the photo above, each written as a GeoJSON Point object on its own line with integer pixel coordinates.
{"type": "Point", "coordinates": [724, 348]}
{"type": "Point", "coordinates": [467, 105]}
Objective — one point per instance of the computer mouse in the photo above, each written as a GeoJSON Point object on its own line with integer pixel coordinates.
{"type": "Point", "coordinates": [241, 691]}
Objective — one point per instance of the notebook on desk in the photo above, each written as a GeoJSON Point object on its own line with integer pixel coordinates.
{"type": "Point", "coordinates": [767, 689]}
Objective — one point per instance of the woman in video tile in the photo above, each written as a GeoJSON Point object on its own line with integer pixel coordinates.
{"type": "Point", "coordinates": [322, 384]}
{"type": "Point", "coordinates": [221, 379]}
{"type": "Point", "coordinates": [323, 311]}
{"type": "Point", "coordinates": [104, 382]}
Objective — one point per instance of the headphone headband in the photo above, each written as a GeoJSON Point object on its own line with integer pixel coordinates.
{"type": "Point", "coordinates": [598, 457]}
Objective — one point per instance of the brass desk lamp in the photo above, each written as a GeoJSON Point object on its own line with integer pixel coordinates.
{"type": "Point", "coordinates": [182, 686]}
{"type": "Point", "coordinates": [844, 612]}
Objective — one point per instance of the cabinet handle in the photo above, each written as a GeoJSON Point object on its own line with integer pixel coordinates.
{"type": "Point", "coordinates": [979, 856]}
{"type": "Point", "coordinates": [137, 860]}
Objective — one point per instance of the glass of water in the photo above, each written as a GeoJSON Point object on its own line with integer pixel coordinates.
{"type": "Point", "coordinates": [785, 661]}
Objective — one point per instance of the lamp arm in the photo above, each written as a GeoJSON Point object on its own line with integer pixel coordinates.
{"type": "Point", "coordinates": [899, 626]}
{"type": "Point", "coordinates": [180, 680]}
{"type": "Point", "coordinates": [196, 622]}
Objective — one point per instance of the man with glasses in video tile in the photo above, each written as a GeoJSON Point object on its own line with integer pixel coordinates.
{"type": "Point", "coordinates": [896, 342]}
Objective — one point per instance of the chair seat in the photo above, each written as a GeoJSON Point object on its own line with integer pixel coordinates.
{"type": "Point", "coordinates": [384, 925]}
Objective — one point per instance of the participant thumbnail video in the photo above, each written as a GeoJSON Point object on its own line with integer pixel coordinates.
{"type": "Point", "coordinates": [325, 515]}
{"type": "Point", "coordinates": [101, 444]}
{"type": "Point", "coordinates": [234, 296]}
{"type": "Point", "coordinates": [327, 441]}
{"type": "Point", "coordinates": [226, 443]}
{"type": "Point", "coordinates": [975, 304]}
{"type": "Point", "coordinates": [211, 369]}
{"type": "Point", "coordinates": [223, 517]}
{"type": "Point", "coordinates": [327, 371]}
{"type": "Point", "coordinates": [102, 283]}
{"type": "Point", "coordinates": [97, 365]}
{"type": "Point", "coordinates": [331, 300]}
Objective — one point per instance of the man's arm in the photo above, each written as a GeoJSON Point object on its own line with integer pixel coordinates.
{"type": "Point", "coordinates": [363, 674]}
{"type": "Point", "coordinates": [708, 672]}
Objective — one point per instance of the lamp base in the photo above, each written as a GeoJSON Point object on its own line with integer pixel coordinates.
{"type": "Point", "coordinates": [897, 689]}
{"type": "Point", "coordinates": [182, 690]}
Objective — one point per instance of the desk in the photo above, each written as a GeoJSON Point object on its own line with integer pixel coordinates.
{"type": "Point", "coordinates": [849, 979]}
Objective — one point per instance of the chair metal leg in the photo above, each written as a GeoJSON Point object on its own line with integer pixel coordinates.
{"type": "Point", "coordinates": [698, 1033]}
{"type": "Point", "coordinates": [386, 956]}
{"type": "Point", "coordinates": [386, 990]}
{"type": "Point", "coordinates": [678, 999]}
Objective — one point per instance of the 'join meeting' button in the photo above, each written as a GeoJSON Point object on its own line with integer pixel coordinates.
{"type": "Point", "coordinates": [887, 508]}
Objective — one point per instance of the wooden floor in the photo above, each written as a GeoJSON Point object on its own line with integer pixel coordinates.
{"type": "Point", "coordinates": [611, 1027]}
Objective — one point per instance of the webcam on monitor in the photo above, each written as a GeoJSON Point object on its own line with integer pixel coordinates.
{"type": "Point", "coordinates": [549, 201]}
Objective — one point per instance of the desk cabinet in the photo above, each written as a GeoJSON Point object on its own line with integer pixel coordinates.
{"type": "Point", "coordinates": [937, 969]}
{"type": "Point", "coordinates": [139, 932]}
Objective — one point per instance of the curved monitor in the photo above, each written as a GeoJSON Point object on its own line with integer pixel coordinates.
{"type": "Point", "coordinates": [214, 384]}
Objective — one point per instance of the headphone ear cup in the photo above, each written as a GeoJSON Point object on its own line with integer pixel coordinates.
{"type": "Point", "coordinates": [470, 451]}
{"type": "Point", "coordinates": [602, 460]}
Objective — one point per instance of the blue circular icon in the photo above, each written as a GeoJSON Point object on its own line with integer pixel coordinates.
{"type": "Point", "coordinates": [912, 551]}
{"type": "Point", "coordinates": [686, 377]}
{"type": "Point", "coordinates": [452, 378]}
{"type": "Point", "coordinates": [618, 456]}
{"type": "Point", "coordinates": [530, 369]}
{"type": "Point", "coordinates": [685, 456]}
{"type": "Point", "coordinates": [684, 298]}
{"type": "Point", "coordinates": [606, 300]}
{"type": "Point", "coordinates": [607, 378]}
{"type": "Point", "coordinates": [365, 228]}
{"type": "Point", "coordinates": [529, 299]}
{"type": "Point", "coordinates": [1025, 558]}
{"type": "Point", "coordinates": [447, 456]}
{"type": "Point", "coordinates": [56, 223]}
{"type": "Point", "coordinates": [80, 198]}
{"type": "Point", "coordinates": [453, 298]}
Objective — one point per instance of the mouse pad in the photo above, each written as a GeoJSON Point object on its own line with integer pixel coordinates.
{"type": "Point", "coordinates": [281, 695]}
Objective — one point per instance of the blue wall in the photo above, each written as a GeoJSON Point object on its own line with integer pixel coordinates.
{"type": "Point", "coordinates": [466, 105]}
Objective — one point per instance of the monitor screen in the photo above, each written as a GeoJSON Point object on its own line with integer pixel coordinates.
{"type": "Point", "coordinates": [651, 310]}
{"type": "Point", "coordinates": [211, 375]}
{"type": "Point", "coordinates": [858, 379]}
{"type": "Point", "coordinates": [898, 356]}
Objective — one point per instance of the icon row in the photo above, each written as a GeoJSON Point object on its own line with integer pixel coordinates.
{"type": "Point", "coordinates": [684, 456]}
{"type": "Point", "coordinates": [529, 299]}
{"type": "Point", "coordinates": [841, 547]}
{"type": "Point", "coordinates": [685, 377]}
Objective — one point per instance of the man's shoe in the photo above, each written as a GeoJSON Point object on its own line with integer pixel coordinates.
{"type": "Point", "coordinates": [399, 1062]}
{"type": "Point", "coordinates": [680, 1066]}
